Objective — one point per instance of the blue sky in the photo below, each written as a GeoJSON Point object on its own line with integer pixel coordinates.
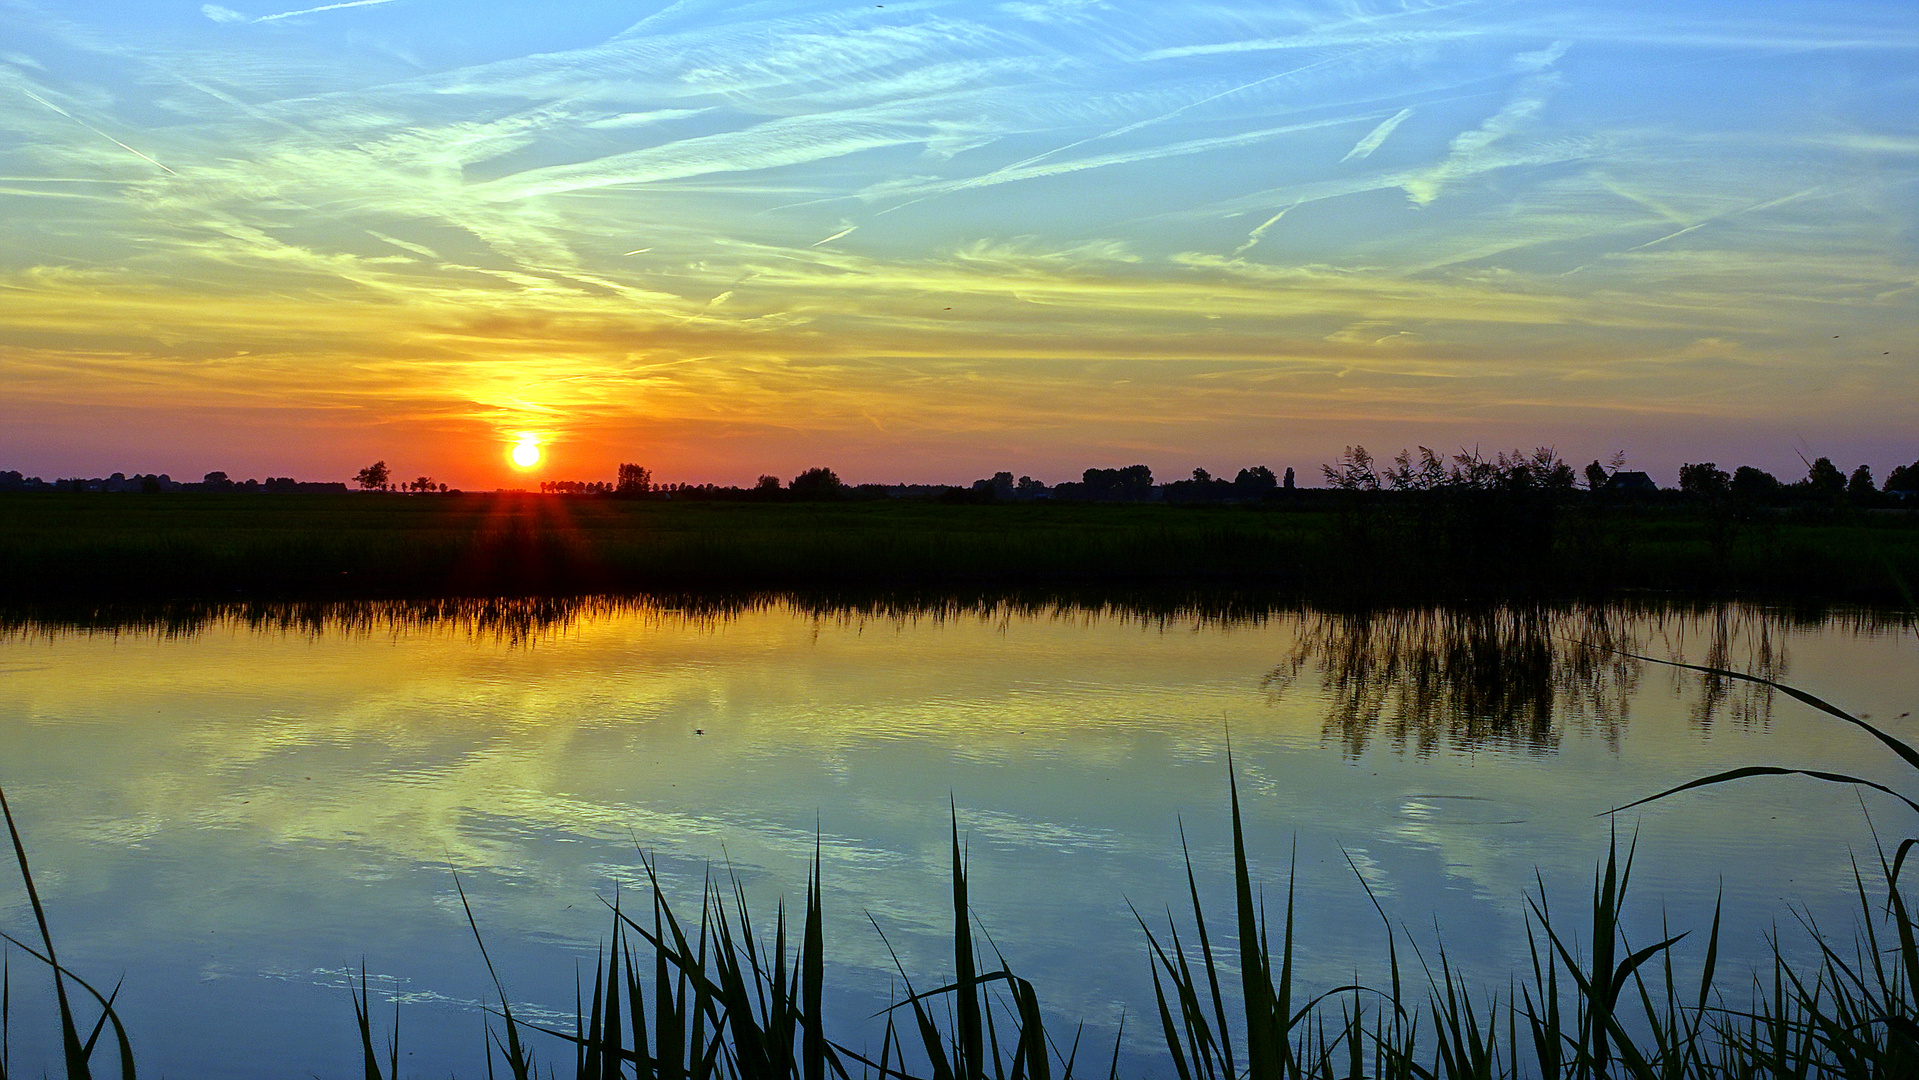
{"type": "Point", "coordinates": [932, 240]}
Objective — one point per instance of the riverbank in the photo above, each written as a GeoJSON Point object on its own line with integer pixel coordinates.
{"type": "Point", "coordinates": [97, 546]}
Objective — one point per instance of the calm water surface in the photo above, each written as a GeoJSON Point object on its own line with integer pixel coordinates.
{"type": "Point", "coordinates": [230, 813]}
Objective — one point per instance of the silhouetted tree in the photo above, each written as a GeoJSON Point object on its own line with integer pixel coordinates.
{"type": "Point", "coordinates": [1471, 517]}
{"type": "Point", "coordinates": [1903, 479]}
{"type": "Point", "coordinates": [1753, 484]}
{"type": "Point", "coordinates": [1255, 481]}
{"type": "Point", "coordinates": [1289, 478]}
{"type": "Point", "coordinates": [1201, 488]}
{"type": "Point", "coordinates": [817, 484]}
{"type": "Point", "coordinates": [1000, 486]}
{"type": "Point", "coordinates": [633, 480]}
{"type": "Point", "coordinates": [1859, 487]}
{"type": "Point", "coordinates": [1134, 483]}
{"type": "Point", "coordinates": [1705, 478]}
{"type": "Point", "coordinates": [1595, 476]}
{"type": "Point", "coordinates": [373, 476]}
{"type": "Point", "coordinates": [767, 483]}
{"type": "Point", "coordinates": [1823, 477]}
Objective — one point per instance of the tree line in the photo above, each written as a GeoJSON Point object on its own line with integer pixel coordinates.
{"type": "Point", "coordinates": [377, 477]}
{"type": "Point", "coordinates": [1544, 471]}
{"type": "Point", "coordinates": [1823, 482]}
{"type": "Point", "coordinates": [157, 483]}
{"type": "Point", "coordinates": [1131, 483]}
{"type": "Point", "coordinates": [1357, 471]}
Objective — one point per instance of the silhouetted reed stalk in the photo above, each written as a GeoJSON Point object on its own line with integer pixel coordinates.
{"type": "Point", "coordinates": [727, 1002]}
{"type": "Point", "coordinates": [723, 1001]}
{"type": "Point", "coordinates": [76, 1051]}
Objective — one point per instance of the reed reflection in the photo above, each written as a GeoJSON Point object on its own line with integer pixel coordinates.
{"type": "Point", "coordinates": [1421, 680]}
{"type": "Point", "coordinates": [523, 620]}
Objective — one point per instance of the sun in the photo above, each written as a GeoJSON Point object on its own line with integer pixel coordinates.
{"type": "Point", "coordinates": [526, 452]}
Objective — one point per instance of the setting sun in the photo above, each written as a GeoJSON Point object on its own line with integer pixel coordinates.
{"type": "Point", "coordinates": [526, 453]}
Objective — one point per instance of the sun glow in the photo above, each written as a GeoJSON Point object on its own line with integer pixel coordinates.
{"type": "Point", "coordinates": [526, 452]}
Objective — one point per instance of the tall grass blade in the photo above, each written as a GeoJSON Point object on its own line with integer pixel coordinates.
{"type": "Point", "coordinates": [668, 1008]}
{"type": "Point", "coordinates": [1174, 1044]}
{"type": "Point", "coordinates": [813, 976]}
{"type": "Point", "coordinates": [108, 1014]}
{"type": "Point", "coordinates": [1766, 770]}
{"type": "Point", "coordinates": [1905, 751]}
{"type": "Point", "coordinates": [931, 1041]}
{"type": "Point", "coordinates": [972, 1064]}
{"type": "Point", "coordinates": [519, 1056]}
{"type": "Point", "coordinates": [1264, 1057]}
{"type": "Point", "coordinates": [362, 1010]}
{"type": "Point", "coordinates": [69, 1033]}
{"type": "Point", "coordinates": [1206, 957]}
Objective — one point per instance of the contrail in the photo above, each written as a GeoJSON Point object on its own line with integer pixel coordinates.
{"type": "Point", "coordinates": [1254, 236]}
{"type": "Point", "coordinates": [1006, 170]}
{"type": "Point", "coordinates": [835, 236]}
{"type": "Point", "coordinates": [97, 131]}
{"type": "Point", "coordinates": [1783, 199]}
{"type": "Point", "coordinates": [326, 7]}
{"type": "Point", "coordinates": [1366, 146]}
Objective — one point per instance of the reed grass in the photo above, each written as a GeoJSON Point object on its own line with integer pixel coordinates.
{"type": "Point", "coordinates": [727, 996]}
{"type": "Point", "coordinates": [76, 1051]}
{"type": "Point", "coordinates": [728, 1001]}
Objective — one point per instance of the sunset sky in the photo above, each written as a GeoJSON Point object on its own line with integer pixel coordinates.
{"type": "Point", "coordinates": [930, 240]}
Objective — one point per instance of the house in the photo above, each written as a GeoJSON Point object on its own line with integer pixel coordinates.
{"type": "Point", "coordinates": [1630, 483]}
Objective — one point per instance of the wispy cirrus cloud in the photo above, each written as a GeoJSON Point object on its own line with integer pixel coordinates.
{"type": "Point", "coordinates": [1042, 201]}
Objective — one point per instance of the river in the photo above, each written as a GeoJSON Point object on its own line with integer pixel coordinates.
{"type": "Point", "coordinates": [230, 811]}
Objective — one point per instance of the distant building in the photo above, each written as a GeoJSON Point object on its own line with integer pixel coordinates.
{"type": "Point", "coordinates": [1630, 483]}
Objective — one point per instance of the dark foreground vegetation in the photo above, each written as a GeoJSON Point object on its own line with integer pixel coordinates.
{"type": "Point", "coordinates": [727, 995]}
{"type": "Point", "coordinates": [1315, 544]}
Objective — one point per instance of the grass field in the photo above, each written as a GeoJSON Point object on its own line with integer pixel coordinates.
{"type": "Point", "coordinates": [77, 547]}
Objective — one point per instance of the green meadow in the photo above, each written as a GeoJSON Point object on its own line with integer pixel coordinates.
{"type": "Point", "coordinates": [1320, 545]}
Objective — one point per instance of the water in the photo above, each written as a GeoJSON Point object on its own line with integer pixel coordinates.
{"type": "Point", "coordinates": [231, 811]}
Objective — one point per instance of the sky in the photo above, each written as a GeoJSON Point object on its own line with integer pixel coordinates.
{"type": "Point", "coordinates": [927, 241]}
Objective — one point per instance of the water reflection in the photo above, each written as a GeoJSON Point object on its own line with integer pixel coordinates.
{"type": "Point", "coordinates": [282, 786]}
{"type": "Point", "coordinates": [524, 620]}
{"type": "Point", "coordinates": [1413, 680]}
{"type": "Point", "coordinates": [1519, 678]}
